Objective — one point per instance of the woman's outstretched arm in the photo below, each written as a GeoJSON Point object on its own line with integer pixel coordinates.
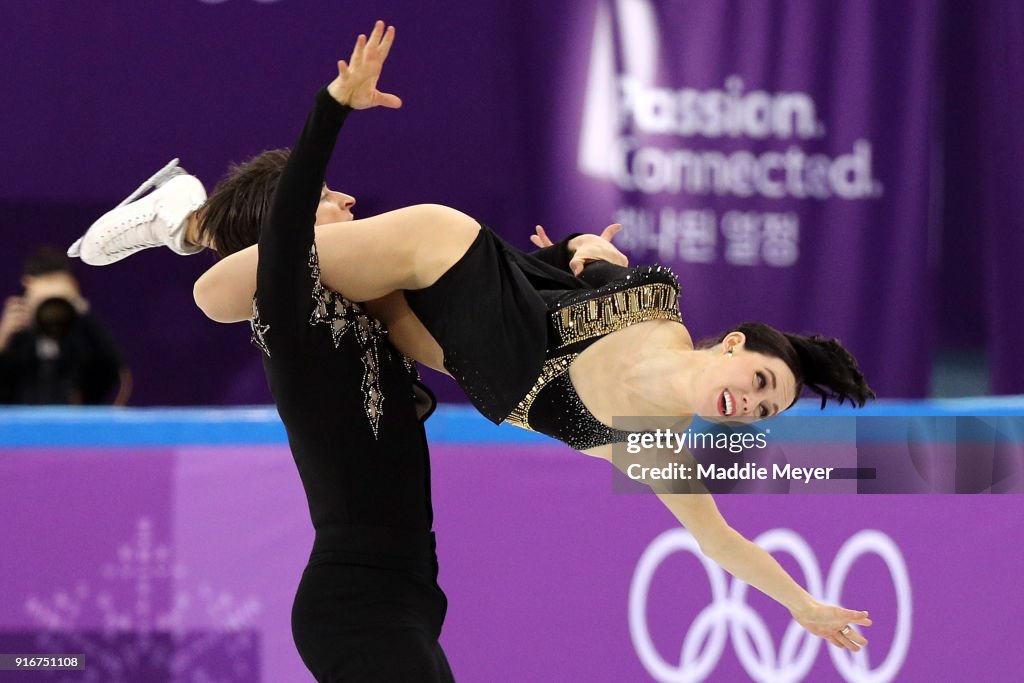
{"type": "Point", "coordinates": [749, 562]}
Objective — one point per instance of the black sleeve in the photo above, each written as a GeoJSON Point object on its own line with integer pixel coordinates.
{"type": "Point", "coordinates": [595, 273]}
{"type": "Point", "coordinates": [598, 273]}
{"type": "Point", "coordinates": [557, 254]}
{"type": "Point", "coordinates": [284, 277]}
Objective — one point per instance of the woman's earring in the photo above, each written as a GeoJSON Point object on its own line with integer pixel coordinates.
{"type": "Point", "coordinates": [730, 353]}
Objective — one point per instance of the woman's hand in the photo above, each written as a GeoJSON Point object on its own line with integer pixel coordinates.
{"type": "Point", "coordinates": [356, 84]}
{"type": "Point", "coordinates": [587, 248]}
{"type": "Point", "coordinates": [829, 621]}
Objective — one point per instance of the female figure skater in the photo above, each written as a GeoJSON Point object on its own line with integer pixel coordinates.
{"type": "Point", "coordinates": [529, 342]}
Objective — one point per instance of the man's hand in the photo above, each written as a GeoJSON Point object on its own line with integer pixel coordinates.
{"type": "Point", "coordinates": [356, 84]}
{"type": "Point", "coordinates": [587, 248]}
{"type": "Point", "coordinates": [13, 320]}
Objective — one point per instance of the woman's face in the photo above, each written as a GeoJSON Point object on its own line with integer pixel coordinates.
{"type": "Point", "coordinates": [334, 207]}
{"type": "Point", "coordinates": [745, 386]}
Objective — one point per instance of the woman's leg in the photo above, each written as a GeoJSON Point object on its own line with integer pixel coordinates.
{"type": "Point", "coordinates": [362, 260]}
{"type": "Point", "coordinates": [408, 248]}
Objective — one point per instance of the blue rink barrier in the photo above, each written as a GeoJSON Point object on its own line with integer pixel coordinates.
{"type": "Point", "coordinates": [1001, 418]}
{"type": "Point", "coordinates": [105, 426]}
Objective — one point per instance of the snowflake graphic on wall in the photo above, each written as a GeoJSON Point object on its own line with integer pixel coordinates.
{"type": "Point", "coordinates": [140, 642]}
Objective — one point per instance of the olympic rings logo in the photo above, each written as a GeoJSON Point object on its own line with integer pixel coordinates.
{"type": "Point", "coordinates": [751, 640]}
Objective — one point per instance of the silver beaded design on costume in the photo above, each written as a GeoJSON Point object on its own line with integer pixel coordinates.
{"type": "Point", "coordinates": [342, 316]}
{"type": "Point", "coordinates": [620, 306]}
{"type": "Point", "coordinates": [259, 330]}
{"type": "Point", "coordinates": [581, 430]}
{"type": "Point", "coordinates": [520, 415]}
{"type": "Point", "coordinates": [584, 430]}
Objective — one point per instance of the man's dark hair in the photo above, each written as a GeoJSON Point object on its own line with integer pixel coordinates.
{"type": "Point", "coordinates": [822, 365]}
{"type": "Point", "coordinates": [231, 218]}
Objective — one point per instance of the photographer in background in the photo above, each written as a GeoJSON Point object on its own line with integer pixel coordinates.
{"type": "Point", "coordinates": [52, 351]}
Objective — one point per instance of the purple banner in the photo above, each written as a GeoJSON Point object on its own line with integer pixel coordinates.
{"type": "Point", "coordinates": [1000, 69]}
{"type": "Point", "coordinates": [785, 182]}
{"type": "Point", "coordinates": [184, 561]}
{"type": "Point", "coordinates": [848, 168]}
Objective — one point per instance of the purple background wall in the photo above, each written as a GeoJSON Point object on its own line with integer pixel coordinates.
{"type": "Point", "coordinates": [99, 96]}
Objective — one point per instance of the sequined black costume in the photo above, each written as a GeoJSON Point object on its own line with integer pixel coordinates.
{"type": "Point", "coordinates": [368, 607]}
{"type": "Point", "coordinates": [511, 323]}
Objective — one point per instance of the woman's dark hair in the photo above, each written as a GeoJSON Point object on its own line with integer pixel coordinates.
{"type": "Point", "coordinates": [819, 364]}
{"type": "Point", "coordinates": [231, 218]}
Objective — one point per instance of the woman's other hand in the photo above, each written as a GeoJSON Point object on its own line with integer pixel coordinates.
{"type": "Point", "coordinates": [587, 248]}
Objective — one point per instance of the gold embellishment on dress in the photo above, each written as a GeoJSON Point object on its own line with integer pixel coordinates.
{"type": "Point", "coordinates": [614, 311]}
{"type": "Point", "coordinates": [550, 370]}
{"type": "Point", "coordinates": [340, 316]}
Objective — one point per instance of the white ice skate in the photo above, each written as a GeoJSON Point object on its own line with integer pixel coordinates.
{"type": "Point", "coordinates": [157, 219]}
